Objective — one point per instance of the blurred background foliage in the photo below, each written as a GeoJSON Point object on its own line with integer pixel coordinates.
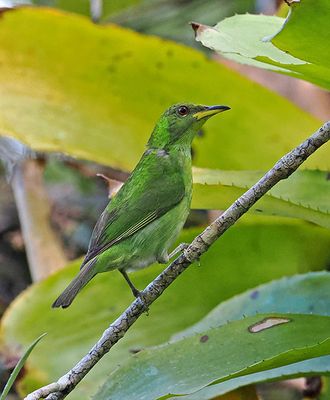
{"type": "Point", "coordinates": [83, 98]}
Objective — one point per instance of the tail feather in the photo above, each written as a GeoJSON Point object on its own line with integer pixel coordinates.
{"type": "Point", "coordinates": [83, 277]}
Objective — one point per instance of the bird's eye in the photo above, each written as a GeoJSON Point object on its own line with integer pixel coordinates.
{"type": "Point", "coordinates": [183, 111]}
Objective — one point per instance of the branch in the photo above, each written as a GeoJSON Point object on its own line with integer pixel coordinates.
{"type": "Point", "coordinates": [43, 248]}
{"type": "Point", "coordinates": [281, 170]}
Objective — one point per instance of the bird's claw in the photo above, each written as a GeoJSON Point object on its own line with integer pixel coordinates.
{"type": "Point", "coordinates": [181, 248]}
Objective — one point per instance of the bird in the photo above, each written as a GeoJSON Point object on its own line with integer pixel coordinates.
{"type": "Point", "coordinates": [143, 220]}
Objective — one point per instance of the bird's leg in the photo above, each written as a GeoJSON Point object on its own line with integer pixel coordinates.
{"type": "Point", "coordinates": [179, 249]}
{"type": "Point", "coordinates": [135, 291]}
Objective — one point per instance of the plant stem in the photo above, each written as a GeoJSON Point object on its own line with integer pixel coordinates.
{"type": "Point", "coordinates": [43, 248]}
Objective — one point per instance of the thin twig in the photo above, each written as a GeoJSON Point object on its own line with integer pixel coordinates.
{"type": "Point", "coordinates": [281, 170]}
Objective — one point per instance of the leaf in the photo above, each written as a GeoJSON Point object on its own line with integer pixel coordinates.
{"type": "Point", "coordinates": [219, 354]}
{"type": "Point", "coordinates": [89, 103]}
{"type": "Point", "coordinates": [293, 46]}
{"type": "Point", "coordinates": [312, 367]}
{"type": "Point", "coordinates": [242, 259]}
{"type": "Point", "coordinates": [169, 19]}
{"type": "Point", "coordinates": [18, 368]}
{"type": "Point", "coordinates": [313, 47]}
{"type": "Point", "coordinates": [308, 293]}
{"type": "Point", "coordinates": [303, 195]}
{"type": "Point", "coordinates": [83, 6]}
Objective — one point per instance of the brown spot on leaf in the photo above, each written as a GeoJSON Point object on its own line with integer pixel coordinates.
{"type": "Point", "coordinates": [134, 351]}
{"type": "Point", "coordinates": [204, 339]}
{"type": "Point", "coordinates": [111, 69]}
{"type": "Point", "coordinates": [267, 323]}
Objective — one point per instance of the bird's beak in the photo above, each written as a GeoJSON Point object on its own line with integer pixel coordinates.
{"type": "Point", "coordinates": [209, 111]}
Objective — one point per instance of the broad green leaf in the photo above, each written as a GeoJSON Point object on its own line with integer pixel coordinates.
{"type": "Point", "coordinates": [308, 293]}
{"type": "Point", "coordinates": [313, 367]}
{"type": "Point", "coordinates": [243, 393]}
{"type": "Point", "coordinates": [300, 49]}
{"type": "Point", "coordinates": [243, 258]}
{"type": "Point", "coordinates": [95, 92]}
{"type": "Point", "coordinates": [303, 195]}
{"type": "Point", "coordinates": [239, 348]}
{"type": "Point", "coordinates": [312, 47]}
{"type": "Point", "coordinates": [18, 368]}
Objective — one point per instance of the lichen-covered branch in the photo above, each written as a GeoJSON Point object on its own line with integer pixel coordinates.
{"type": "Point", "coordinates": [281, 170]}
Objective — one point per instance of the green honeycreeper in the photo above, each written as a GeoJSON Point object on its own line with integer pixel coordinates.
{"type": "Point", "coordinates": [144, 218]}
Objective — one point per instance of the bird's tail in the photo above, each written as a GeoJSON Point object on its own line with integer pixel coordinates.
{"type": "Point", "coordinates": [68, 295]}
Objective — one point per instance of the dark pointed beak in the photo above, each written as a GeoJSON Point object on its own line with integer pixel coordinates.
{"type": "Point", "coordinates": [209, 111]}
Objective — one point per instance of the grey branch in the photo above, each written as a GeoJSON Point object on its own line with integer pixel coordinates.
{"type": "Point", "coordinates": [281, 170]}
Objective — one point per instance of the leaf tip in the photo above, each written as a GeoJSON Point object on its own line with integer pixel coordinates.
{"type": "Point", "coordinates": [198, 28]}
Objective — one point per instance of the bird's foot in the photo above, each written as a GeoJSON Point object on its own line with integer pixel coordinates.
{"type": "Point", "coordinates": [181, 248]}
{"type": "Point", "coordinates": [136, 292]}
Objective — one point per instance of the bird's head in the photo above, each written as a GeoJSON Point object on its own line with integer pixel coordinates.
{"type": "Point", "coordinates": [180, 123]}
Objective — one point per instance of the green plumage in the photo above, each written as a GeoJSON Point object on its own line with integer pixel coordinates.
{"type": "Point", "coordinates": [143, 220]}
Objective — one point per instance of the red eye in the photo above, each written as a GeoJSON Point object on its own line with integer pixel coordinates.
{"type": "Point", "coordinates": [183, 111]}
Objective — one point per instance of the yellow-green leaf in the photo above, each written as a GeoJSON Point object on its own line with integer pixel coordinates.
{"type": "Point", "coordinates": [95, 92]}
{"type": "Point", "coordinates": [303, 195]}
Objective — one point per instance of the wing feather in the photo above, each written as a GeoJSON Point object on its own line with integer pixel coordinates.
{"type": "Point", "coordinates": [155, 187]}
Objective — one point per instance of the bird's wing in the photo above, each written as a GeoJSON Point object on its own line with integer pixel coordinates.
{"type": "Point", "coordinates": [154, 188]}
